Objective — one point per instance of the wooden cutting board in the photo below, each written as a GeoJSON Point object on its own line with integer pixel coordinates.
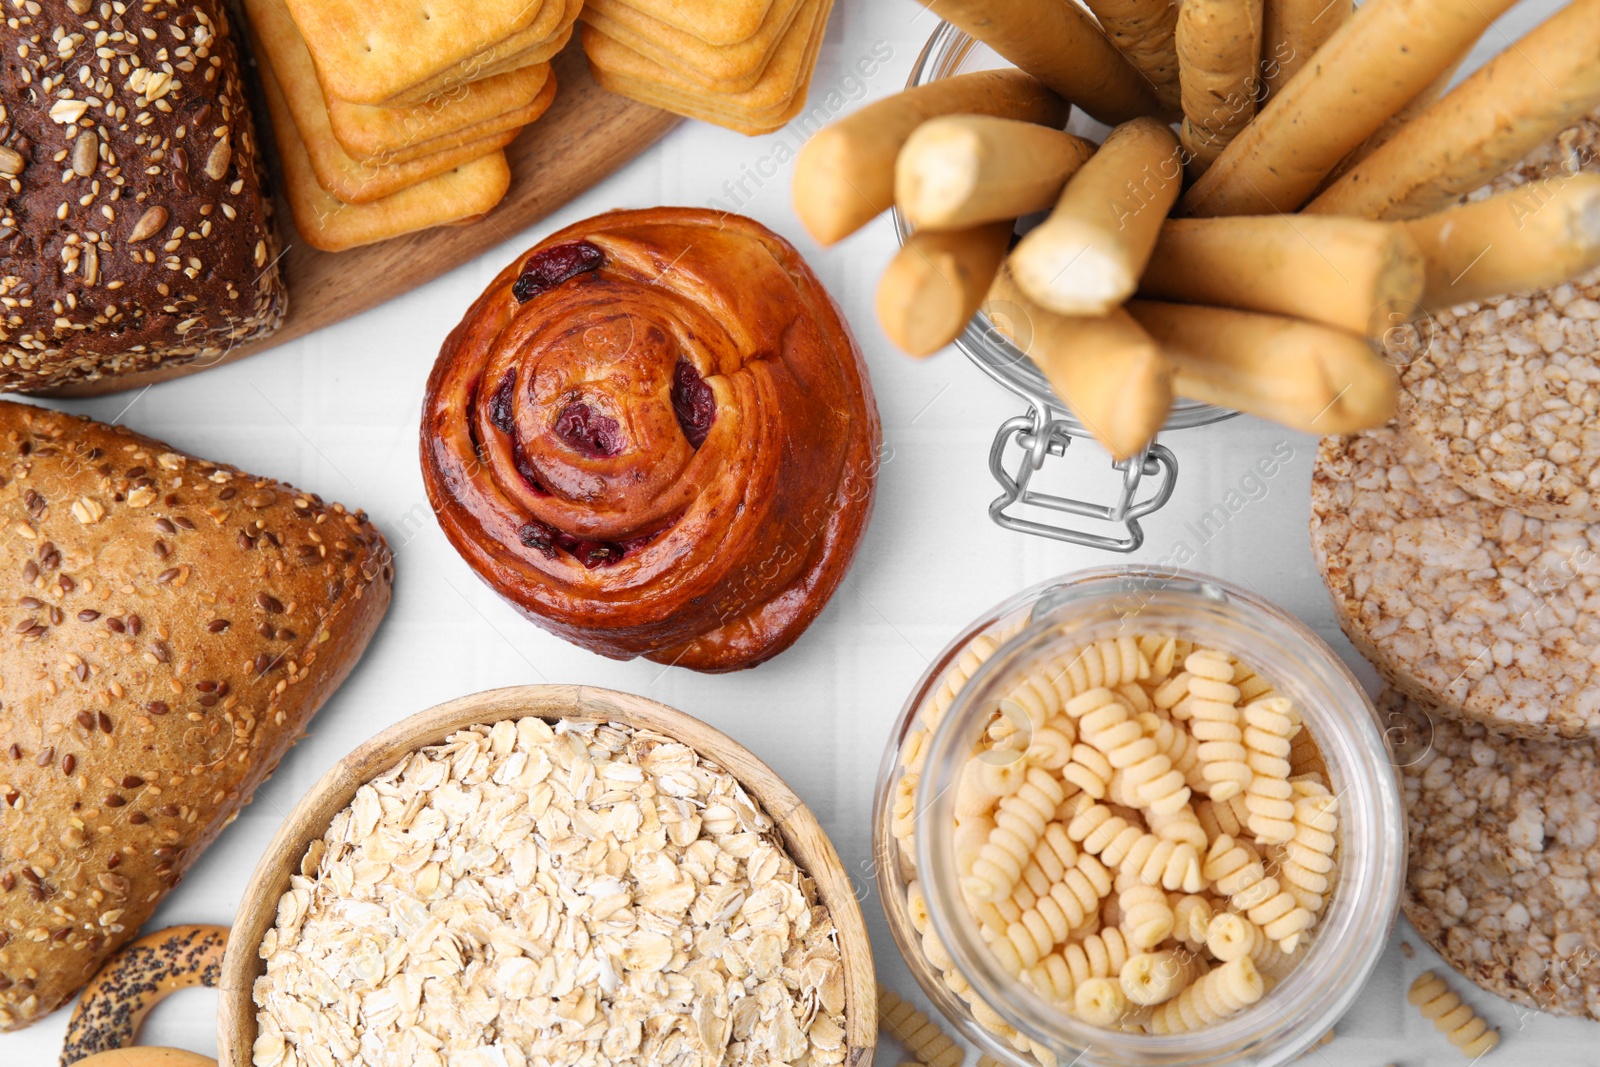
{"type": "Point", "coordinates": [587, 133]}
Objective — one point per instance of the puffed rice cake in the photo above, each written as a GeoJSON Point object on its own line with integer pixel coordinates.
{"type": "Point", "coordinates": [1503, 837]}
{"type": "Point", "coordinates": [1505, 395]}
{"type": "Point", "coordinates": [1470, 607]}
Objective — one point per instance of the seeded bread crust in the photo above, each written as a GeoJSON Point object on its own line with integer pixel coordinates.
{"type": "Point", "coordinates": [167, 628]}
{"type": "Point", "coordinates": [133, 226]}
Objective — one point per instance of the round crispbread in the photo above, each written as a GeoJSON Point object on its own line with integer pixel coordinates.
{"type": "Point", "coordinates": [1468, 606]}
{"type": "Point", "coordinates": [1504, 833]}
{"type": "Point", "coordinates": [1505, 394]}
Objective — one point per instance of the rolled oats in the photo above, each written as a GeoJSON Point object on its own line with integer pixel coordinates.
{"type": "Point", "coordinates": [1505, 394]}
{"type": "Point", "coordinates": [1468, 606]}
{"type": "Point", "coordinates": [531, 894]}
{"type": "Point", "coordinates": [1504, 835]}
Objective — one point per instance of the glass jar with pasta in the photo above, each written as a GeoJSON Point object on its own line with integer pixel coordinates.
{"type": "Point", "coordinates": [1139, 819]}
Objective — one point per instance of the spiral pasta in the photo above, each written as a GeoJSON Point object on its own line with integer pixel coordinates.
{"type": "Point", "coordinates": [1191, 919]}
{"type": "Point", "coordinates": [1088, 770]}
{"type": "Point", "coordinates": [920, 1035]}
{"type": "Point", "coordinates": [1252, 687]}
{"type": "Point", "coordinates": [1051, 746]}
{"type": "Point", "coordinates": [1100, 1002]}
{"type": "Point", "coordinates": [1000, 772]}
{"type": "Point", "coordinates": [1106, 663]}
{"type": "Point", "coordinates": [1105, 723]}
{"type": "Point", "coordinates": [1231, 936]}
{"type": "Point", "coordinates": [1136, 697]}
{"type": "Point", "coordinates": [1221, 817]}
{"type": "Point", "coordinates": [903, 809]}
{"type": "Point", "coordinates": [1164, 651]}
{"type": "Point", "coordinates": [1156, 977]}
{"type": "Point", "coordinates": [1018, 824]}
{"type": "Point", "coordinates": [1081, 890]}
{"type": "Point", "coordinates": [1451, 1016]}
{"type": "Point", "coordinates": [960, 672]}
{"type": "Point", "coordinates": [1268, 798]}
{"type": "Point", "coordinates": [1181, 827]}
{"type": "Point", "coordinates": [1121, 844]}
{"type": "Point", "coordinates": [1039, 698]}
{"type": "Point", "coordinates": [1172, 692]}
{"type": "Point", "coordinates": [1215, 723]}
{"type": "Point", "coordinates": [1023, 942]}
{"type": "Point", "coordinates": [1113, 833]}
{"type": "Point", "coordinates": [1236, 871]}
{"type": "Point", "coordinates": [1177, 744]}
{"type": "Point", "coordinates": [971, 834]}
{"type": "Point", "coordinates": [916, 906]}
{"type": "Point", "coordinates": [1146, 916]}
{"type": "Point", "coordinates": [1099, 955]}
{"type": "Point", "coordinates": [1067, 906]}
{"type": "Point", "coordinates": [974, 797]}
{"type": "Point", "coordinates": [1053, 856]}
{"type": "Point", "coordinates": [1052, 979]}
{"type": "Point", "coordinates": [1210, 998]}
{"type": "Point", "coordinates": [1308, 855]}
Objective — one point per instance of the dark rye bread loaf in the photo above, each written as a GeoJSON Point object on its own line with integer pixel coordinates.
{"type": "Point", "coordinates": [133, 228]}
{"type": "Point", "coordinates": [167, 628]}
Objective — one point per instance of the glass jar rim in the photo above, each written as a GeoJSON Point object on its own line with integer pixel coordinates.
{"type": "Point", "coordinates": [980, 341]}
{"type": "Point", "coordinates": [1351, 933]}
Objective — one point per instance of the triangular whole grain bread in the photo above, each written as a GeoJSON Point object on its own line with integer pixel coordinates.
{"type": "Point", "coordinates": [169, 627]}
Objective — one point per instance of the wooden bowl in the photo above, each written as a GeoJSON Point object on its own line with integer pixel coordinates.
{"type": "Point", "coordinates": [806, 843]}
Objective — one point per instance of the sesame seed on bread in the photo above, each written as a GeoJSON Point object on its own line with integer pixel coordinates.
{"type": "Point", "coordinates": [133, 226]}
{"type": "Point", "coordinates": [168, 626]}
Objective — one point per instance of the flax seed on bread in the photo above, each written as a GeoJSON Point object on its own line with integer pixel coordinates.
{"type": "Point", "coordinates": [133, 226]}
{"type": "Point", "coordinates": [168, 626]}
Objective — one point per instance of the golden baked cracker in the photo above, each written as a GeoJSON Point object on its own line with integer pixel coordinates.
{"type": "Point", "coordinates": [328, 223]}
{"type": "Point", "coordinates": [771, 102]}
{"type": "Point", "coordinates": [510, 123]}
{"type": "Point", "coordinates": [365, 131]}
{"type": "Point", "coordinates": [728, 22]}
{"type": "Point", "coordinates": [726, 68]}
{"type": "Point", "coordinates": [355, 182]}
{"type": "Point", "coordinates": [494, 61]}
{"type": "Point", "coordinates": [699, 106]}
{"type": "Point", "coordinates": [368, 50]}
{"type": "Point", "coordinates": [533, 56]}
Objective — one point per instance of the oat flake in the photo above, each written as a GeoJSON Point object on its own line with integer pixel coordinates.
{"type": "Point", "coordinates": [527, 894]}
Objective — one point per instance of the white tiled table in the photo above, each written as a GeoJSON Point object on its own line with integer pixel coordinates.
{"type": "Point", "coordinates": [337, 413]}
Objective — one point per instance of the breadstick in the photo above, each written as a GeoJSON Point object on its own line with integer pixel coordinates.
{"type": "Point", "coordinates": [1291, 33]}
{"type": "Point", "coordinates": [1307, 377]}
{"type": "Point", "coordinates": [1393, 124]}
{"type": "Point", "coordinates": [844, 175]}
{"type": "Point", "coordinates": [1518, 100]}
{"type": "Point", "coordinates": [1105, 368]}
{"type": "Point", "coordinates": [934, 284]}
{"type": "Point", "coordinates": [1058, 43]}
{"type": "Point", "coordinates": [1384, 55]}
{"type": "Point", "coordinates": [1142, 30]}
{"type": "Point", "coordinates": [1086, 258]}
{"type": "Point", "coordinates": [1219, 52]}
{"type": "Point", "coordinates": [1341, 272]}
{"type": "Point", "coordinates": [960, 170]}
{"type": "Point", "coordinates": [1535, 236]}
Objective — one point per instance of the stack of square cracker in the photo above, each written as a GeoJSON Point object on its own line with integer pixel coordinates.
{"type": "Point", "coordinates": [391, 115]}
{"type": "Point", "coordinates": [745, 64]}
